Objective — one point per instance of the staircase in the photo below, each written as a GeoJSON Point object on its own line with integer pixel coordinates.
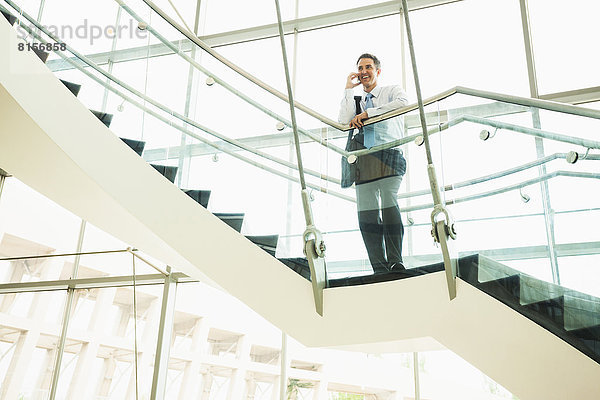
{"type": "Point", "coordinates": [570, 315]}
{"type": "Point", "coordinates": [538, 340]}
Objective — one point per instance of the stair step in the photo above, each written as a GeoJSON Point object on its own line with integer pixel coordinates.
{"type": "Point", "coordinates": [589, 332]}
{"type": "Point", "coordinates": [167, 171]}
{"type": "Point", "coordinates": [73, 87]}
{"type": "Point", "coordinates": [298, 265]}
{"type": "Point", "coordinates": [200, 196]}
{"type": "Point", "coordinates": [386, 276]}
{"type": "Point", "coordinates": [9, 17]}
{"type": "Point", "coordinates": [590, 337]}
{"type": "Point", "coordinates": [105, 118]}
{"type": "Point", "coordinates": [267, 243]}
{"type": "Point", "coordinates": [468, 269]}
{"type": "Point", "coordinates": [234, 220]}
{"type": "Point", "coordinates": [42, 55]}
{"type": "Point", "coordinates": [507, 290]}
{"type": "Point", "coordinates": [551, 311]}
{"type": "Point", "coordinates": [581, 311]}
{"type": "Point", "coordinates": [135, 145]}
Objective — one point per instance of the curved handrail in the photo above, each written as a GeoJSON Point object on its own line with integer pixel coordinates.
{"type": "Point", "coordinates": [155, 103]}
{"type": "Point", "coordinates": [217, 79]}
{"type": "Point", "coordinates": [529, 102]}
{"type": "Point", "coordinates": [505, 189]}
{"type": "Point", "coordinates": [204, 140]}
{"type": "Point", "coordinates": [193, 38]}
{"type": "Point", "coordinates": [494, 96]}
{"type": "Point", "coordinates": [497, 175]}
{"type": "Point", "coordinates": [542, 104]}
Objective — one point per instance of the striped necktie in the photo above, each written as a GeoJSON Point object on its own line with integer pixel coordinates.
{"type": "Point", "coordinates": [369, 130]}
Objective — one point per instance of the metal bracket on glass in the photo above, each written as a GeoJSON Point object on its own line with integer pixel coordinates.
{"type": "Point", "coordinates": [318, 271]}
{"type": "Point", "coordinates": [442, 230]}
{"type": "Point", "coordinates": [314, 250]}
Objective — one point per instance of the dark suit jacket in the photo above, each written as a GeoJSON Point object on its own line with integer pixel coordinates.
{"type": "Point", "coordinates": [370, 167]}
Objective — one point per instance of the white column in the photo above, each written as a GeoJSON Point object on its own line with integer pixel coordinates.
{"type": "Point", "coordinates": [237, 382]}
{"type": "Point", "coordinates": [108, 374]}
{"type": "Point", "coordinates": [146, 347]}
{"type": "Point", "coordinates": [27, 341]}
{"type": "Point", "coordinates": [191, 373]}
{"type": "Point", "coordinates": [19, 363]}
{"type": "Point", "coordinates": [320, 389]}
{"type": "Point", "coordinates": [275, 391]}
{"type": "Point", "coordinates": [80, 387]}
{"type": "Point", "coordinates": [45, 378]}
{"type": "Point", "coordinates": [207, 381]}
{"type": "Point", "coordinates": [251, 387]}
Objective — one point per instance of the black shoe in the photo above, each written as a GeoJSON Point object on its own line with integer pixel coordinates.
{"type": "Point", "coordinates": [380, 268]}
{"type": "Point", "coordinates": [397, 267]}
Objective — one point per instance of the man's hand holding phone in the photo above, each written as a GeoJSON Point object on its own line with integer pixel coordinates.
{"type": "Point", "coordinates": [352, 81]}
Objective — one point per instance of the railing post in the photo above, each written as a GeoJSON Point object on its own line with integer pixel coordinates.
{"type": "Point", "coordinates": [314, 246]}
{"type": "Point", "coordinates": [163, 344]}
{"type": "Point", "coordinates": [442, 229]}
{"type": "Point", "coordinates": [539, 143]}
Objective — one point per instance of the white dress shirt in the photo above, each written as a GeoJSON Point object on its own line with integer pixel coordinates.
{"type": "Point", "coordinates": [385, 98]}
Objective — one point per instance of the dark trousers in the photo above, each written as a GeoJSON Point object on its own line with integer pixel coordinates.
{"type": "Point", "coordinates": [380, 222]}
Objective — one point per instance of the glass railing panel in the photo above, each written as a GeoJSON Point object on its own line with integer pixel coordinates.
{"type": "Point", "coordinates": [211, 170]}
{"type": "Point", "coordinates": [516, 218]}
{"type": "Point", "coordinates": [163, 141]}
{"type": "Point", "coordinates": [571, 315]}
{"type": "Point", "coordinates": [87, 27]}
{"type": "Point", "coordinates": [164, 79]}
{"type": "Point", "coordinates": [346, 250]}
{"type": "Point", "coordinates": [573, 268]}
{"type": "Point", "coordinates": [30, 7]}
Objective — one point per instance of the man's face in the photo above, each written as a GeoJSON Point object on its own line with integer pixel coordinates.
{"type": "Point", "coordinates": [367, 73]}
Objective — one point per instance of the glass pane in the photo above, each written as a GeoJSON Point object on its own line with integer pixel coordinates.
{"type": "Point", "coordinates": [29, 331]}
{"type": "Point", "coordinates": [497, 180]}
{"type": "Point", "coordinates": [110, 264]}
{"type": "Point", "coordinates": [87, 27]}
{"type": "Point", "coordinates": [445, 38]}
{"type": "Point", "coordinates": [223, 16]}
{"type": "Point", "coordinates": [564, 60]}
{"type": "Point", "coordinates": [98, 360]}
{"type": "Point", "coordinates": [314, 7]}
{"type": "Point", "coordinates": [32, 225]}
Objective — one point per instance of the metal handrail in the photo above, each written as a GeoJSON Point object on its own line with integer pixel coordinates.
{"type": "Point", "coordinates": [523, 101]}
{"type": "Point", "coordinates": [217, 79]}
{"type": "Point", "coordinates": [489, 95]}
{"type": "Point", "coordinates": [505, 189]}
{"type": "Point", "coordinates": [193, 38]}
{"type": "Point", "coordinates": [204, 140]}
{"type": "Point", "coordinates": [497, 175]}
{"type": "Point", "coordinates": [538, 103]}
{"type": "Point", "coordinates": [529, 102]}
{"type": "Point", "coordinates": [160, 106]}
